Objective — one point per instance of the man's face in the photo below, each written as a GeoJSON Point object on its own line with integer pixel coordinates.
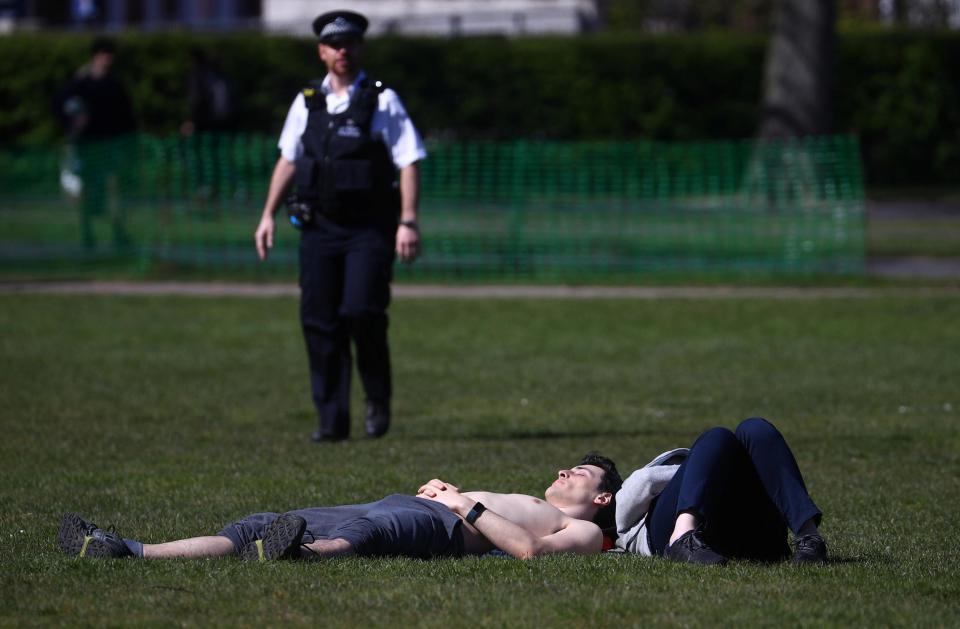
{"type": "Point", "coordinates": [101, 62]}
{"type": "Point", "coordinates": [578, 485]}
{"type": "Point", "coordinates": [342, 55]}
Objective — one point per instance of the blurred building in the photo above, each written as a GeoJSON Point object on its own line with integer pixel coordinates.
{"type": "Point", "coordinates": [922, 13]}
{"type": "Point", "coordinates": [419, 17]}
{"type": "Point", "coordinates": [448, 18]}
{"type": "Point", "coordinates": [442, 17]}
{"type": "Point", "coordinates": [115, 15]}
{"type": "Point", "coordinates": [684, 16]}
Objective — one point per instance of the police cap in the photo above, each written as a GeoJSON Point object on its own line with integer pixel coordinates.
{"type": "Point", "coordinates": [338, 25]}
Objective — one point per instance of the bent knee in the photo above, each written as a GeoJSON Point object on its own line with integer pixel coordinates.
{"type": "Point", "coordinates": [716, 435]}
{"type": "Point", "coordinates": [756, 427]}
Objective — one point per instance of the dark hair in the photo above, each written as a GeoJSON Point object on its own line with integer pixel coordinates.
{"type": "Point", "coordinates": [611, 482]}
{"type": "Point", "coordinates": [103, 44]}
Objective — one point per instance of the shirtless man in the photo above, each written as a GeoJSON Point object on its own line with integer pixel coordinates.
{"type": "Point", "coordinates": [439, 521]}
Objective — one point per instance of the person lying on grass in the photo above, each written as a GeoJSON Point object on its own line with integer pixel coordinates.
{"type": "Point", "coordinates": [440, 521]}
{"type": "Point", "coordinates": [733, 496]}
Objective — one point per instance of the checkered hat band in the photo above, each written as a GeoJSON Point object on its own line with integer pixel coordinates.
{"type": "Point", "coordinates": [340, 26]}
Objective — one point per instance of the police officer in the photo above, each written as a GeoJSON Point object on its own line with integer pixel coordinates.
{"type": "Point", "coordinates": [344, 142]}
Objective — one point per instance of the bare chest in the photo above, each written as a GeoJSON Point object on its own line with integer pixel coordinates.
{"type": "Point", "coordinates": [534, 514]}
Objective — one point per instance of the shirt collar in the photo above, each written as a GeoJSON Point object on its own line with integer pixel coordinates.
{"type": "Point", "coordinates": [325, 85]}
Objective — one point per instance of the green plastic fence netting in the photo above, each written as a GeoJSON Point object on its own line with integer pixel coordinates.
{"type": "Point", "coordinates": [491, 211]}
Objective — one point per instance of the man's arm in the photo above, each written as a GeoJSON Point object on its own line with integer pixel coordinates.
{"type": "Point", "coordinates": [263, 237]}
{"type": "Point", "coordinates": [577, 536]}
{"type": "Point", "coordinates": [70, 108]}
{"type": "Point", "coordinates": [408, 239]}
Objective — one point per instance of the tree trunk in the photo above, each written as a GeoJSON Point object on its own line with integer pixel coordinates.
{"type": "Point", "coordinates": [900, 13]}
{"type": "Point", "coordinates": [798, 81]}
{"type": "Point", "coordinates": [795, 181]}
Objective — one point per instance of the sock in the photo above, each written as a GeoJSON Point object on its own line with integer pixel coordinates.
{"type": "Point", "coordinates": [808, 528]}
{"type": "Point", "coordinates": [135, 547]}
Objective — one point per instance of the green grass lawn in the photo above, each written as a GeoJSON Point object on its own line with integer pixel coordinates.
{"type": "Point", "coordinates": [170, 417]}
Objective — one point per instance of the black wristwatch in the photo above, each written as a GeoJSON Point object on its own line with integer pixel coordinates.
{"type": "Point", "coordinates": [475, 513]}
{"type": "Point", "coordinates": [411, 224]}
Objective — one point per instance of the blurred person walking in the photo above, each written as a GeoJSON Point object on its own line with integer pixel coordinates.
{"type": "Point", "coordinates": [344, 141]}
{"type": "Point", "coordinates": [212, 109]}
{"type": "Point", "coordinates": [97, 114]}
{"type": "Point", "coordinates": [210, 96]}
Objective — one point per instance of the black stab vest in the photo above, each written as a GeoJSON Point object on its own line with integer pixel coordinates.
{"type": "Point", "coordinates": [344, 172]}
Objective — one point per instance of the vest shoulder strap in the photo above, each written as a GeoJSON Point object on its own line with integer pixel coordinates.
{"type": "Point", "coordinates": [366, 100]}
{"type": "Point", "coordinates": [313, 96]}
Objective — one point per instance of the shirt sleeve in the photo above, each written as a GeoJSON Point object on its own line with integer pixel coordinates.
{"type": "Point", "coordinates": [293, 127]}
{"type": "Point", "coordinates": [399, 134]}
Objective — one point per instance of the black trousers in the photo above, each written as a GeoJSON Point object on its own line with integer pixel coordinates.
{"type": "Point", "coordinates": [744, 486]}
{"type": "Point", "coordinates": [345, 273]}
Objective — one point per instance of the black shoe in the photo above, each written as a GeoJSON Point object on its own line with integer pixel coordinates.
{"type": "Point", "coordinates": [79, 538]}
{"type": "Point", "coordinates": [281, 540]}
{"type": "Point", "coordinates": [378, 419]}
{"type": "Point", "coordinates": [318, 436]}
{"type": "Point", "coordinates": [690, 548]}
{"type": "Point", "coordinates": [809, 549]}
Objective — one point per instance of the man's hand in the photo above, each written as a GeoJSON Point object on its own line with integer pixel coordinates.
{"type": "Point", "coordinates": [263, 237]}
{"type": "Point", "coordinates": [446, 494]}
{"type": "Point", "coordinates": [408, 243]}
{"type": "Point", "coordinates": [282, 175]}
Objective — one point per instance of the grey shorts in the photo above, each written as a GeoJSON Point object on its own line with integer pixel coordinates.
{"type": "Point", "coordinates": [398, 525]}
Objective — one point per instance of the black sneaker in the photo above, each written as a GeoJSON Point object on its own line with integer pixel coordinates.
{"type": "Point", "coordinates": [690, 548]}
{"type": "Point", "coordinates": [281, 540]}
{"type": "Point", "coordinates": [79, 538]}
{"type": "Point", "coordinates": [378, 419]}
{"type": "Point", "coordinates": [809, 549]}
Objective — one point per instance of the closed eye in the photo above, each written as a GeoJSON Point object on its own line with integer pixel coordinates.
{"type": "Point", "coordinates": [586, 471]}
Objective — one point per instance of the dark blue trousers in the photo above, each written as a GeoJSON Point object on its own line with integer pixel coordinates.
{"type": "Point", "coordinates": [746, 489]}
{"type": "Point", "coordinates": [345, 273]}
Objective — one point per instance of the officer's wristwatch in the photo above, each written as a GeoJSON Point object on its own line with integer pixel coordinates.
{"type": "Point", "coordinates": [411, 224]}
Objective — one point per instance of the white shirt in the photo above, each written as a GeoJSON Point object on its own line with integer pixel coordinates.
{"type": "Point", "coordinates": [390, 121]}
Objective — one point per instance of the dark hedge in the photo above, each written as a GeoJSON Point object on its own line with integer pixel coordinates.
{"type": "Point", "coordinates": [899, 91]}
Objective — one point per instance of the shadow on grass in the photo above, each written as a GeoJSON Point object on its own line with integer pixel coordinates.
{"type": "Point", "coordinates": [520, 435]}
